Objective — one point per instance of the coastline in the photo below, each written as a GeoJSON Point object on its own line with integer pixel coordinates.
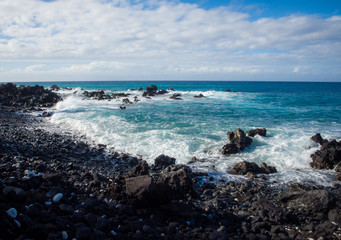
{"type": "Point", "coordinates": [99, 200]}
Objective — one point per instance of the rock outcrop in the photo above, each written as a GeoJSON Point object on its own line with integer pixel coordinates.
{"type": "Point", "coordinates": [238, 142]}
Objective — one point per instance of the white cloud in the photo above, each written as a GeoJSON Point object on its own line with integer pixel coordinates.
{"type": "Point", "coordinates": [160, 37]}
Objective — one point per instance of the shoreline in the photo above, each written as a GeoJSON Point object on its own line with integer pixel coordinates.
{"type": "Point", "coordinates": [117, 196]}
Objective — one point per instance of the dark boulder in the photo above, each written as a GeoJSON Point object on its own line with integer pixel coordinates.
{"type": "Point", "coordinates": [126, 101]}
{"type": "Point", "coordinates": [162, 92]}
{"type": "Point", "coordinates": [239, 138]}
{"type": "Point", "coordinates": [54, 87]}
{"type": "Point", "coordinates": [230, 148]}
{"type": "Point", "coordinates": [176, 96]}
{"type": "Point", "coordinates": [164, 161]}
{"type": "Point", "coordinates": [318, 139]}
{"type": "Point", "coordinates": [160, 188]}
{"type": "Point", "coordinates": [257, 131]}
{"type": "Point", "coordinates": [328, 156]}
{"type": "Point", "coordinates": [139, 170]}
{"type": "Point", "coordinates": [245, 167]}
{"type": "Point", "coordinates": [310, 200]}
{"type": "Point", "coordinates": [199, 96]}
{"type": "Point", "coordinates": [150, 91]}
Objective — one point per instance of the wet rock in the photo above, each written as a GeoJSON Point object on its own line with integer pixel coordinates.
{"type": "Point", "coordinates": [318, 139]}
{"type": "Point", "coordinates": [54, 87]}
{"type": "Point", "coordinates": [83, 232]}
{"type": "Point", "coordinates": [230, 148]}
{"type": "Point", "coordinates": [150, 91]}
{"type": "Point", "coordinates": [313, 200]}
{"type": "Point", "coordinates": [67, 209]}
{"type": "Point", "coordinates": [239, 138]}
{"type": "Point", "coordinates": [328, 156]}
{"type": "Point", "coordinates": [164, 161]}
{"type": "Point", "coordinates": [161, 92]}
{"type": "Point", "coordinates": [176, 96]}
{"type": "Point", "coordinates": [257, 131]}
{"type": "Point", "coordinates": [245, 167]}
{"type": "Point", "coordinates": [126, 101]}
{"type": "Point", "coordinates": [199, 96]}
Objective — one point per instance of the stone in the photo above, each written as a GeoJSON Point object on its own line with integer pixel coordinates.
{"type": "Point", "coordinates": [334, 215]}
{"type": "Point", "coordinates": [328, 156]}
{"type": "Point", "coordinates": [140, 169]}
{"type": "Point", "coordinates": [239, 138]}
{"type": "Point", "coordinates": [164, 161]}
{"type": "Point", "coordinates": [318, 139]}
{"type": "Point", "coordinates": [245, 167]}
{"type": "Point", "coordinates": [230, 148]}
{"type": "Point", "coordinates": [199, 96]}
{"type": "Point", "coordinates": [257, 131]}
{"type": "Point", "coordinates": [313, 200]}
{"type": "Point", "coordinates": [14, 194]}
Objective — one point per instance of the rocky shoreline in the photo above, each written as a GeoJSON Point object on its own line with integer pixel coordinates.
{"type": "Point", "coordinates": [54, 185]}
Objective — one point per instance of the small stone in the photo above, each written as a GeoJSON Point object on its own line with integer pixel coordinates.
{"type": "Point", "coordinates": [64, 235]}
{"type": "Point", "coordinates": [113, 233]}
{"type": "Point", "coordinates": [12, 212]}
{"type": "Point", "coordinates": [57, 197]}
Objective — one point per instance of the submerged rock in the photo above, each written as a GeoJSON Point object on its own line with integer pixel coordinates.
{"type": "Point", "coordinates": [199, 96]}
{"type": "Point", "coordinates": [176, 96]}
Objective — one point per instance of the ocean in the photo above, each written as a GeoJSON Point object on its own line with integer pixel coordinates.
{"type": "Point", "coordinates": [291, 112]}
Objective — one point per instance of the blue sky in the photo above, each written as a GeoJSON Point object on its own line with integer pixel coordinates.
{"type": "Point", "coordinates": [275, 8]}
{"type": "Point", "coordinates": [63, 40]}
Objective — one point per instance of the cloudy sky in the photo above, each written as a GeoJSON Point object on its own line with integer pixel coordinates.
{"type": "Point", "coordinates": [63, 40]}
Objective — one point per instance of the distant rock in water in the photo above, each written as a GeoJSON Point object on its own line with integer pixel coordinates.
{"type": "Point", "coordinates": [257, 131]}
{"type": "Point", "coordinates": [199, 96]}
{"type": "Point", "coordinates": [176, 96]}
{"type": "Point", "coordinates": [245, 167]}
{"type": "Point", "coordinates": [328, 156]}
{"type": "Point", "coordinates": [150, 91]}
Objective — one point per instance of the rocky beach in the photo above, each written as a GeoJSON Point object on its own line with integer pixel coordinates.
{"type": "Point", "coordinates": [55, 184]}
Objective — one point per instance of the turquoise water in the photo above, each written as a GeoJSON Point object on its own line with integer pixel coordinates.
{"type": "Point", "coordinates": [291, 112]}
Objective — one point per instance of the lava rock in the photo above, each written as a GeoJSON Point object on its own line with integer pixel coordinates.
{"type": "Point", "coordinates": [257, 131]}
{"type": "Point", "coordinates": [164, 161]}
{"type": "Point", "coordinates": [328, 156]}
{"type": "Point", "coordinates": [239, 138]}
{"type": "Point", "coordinates": [313, 200]}
{"type": "Point", "coordinates": [245, 167]}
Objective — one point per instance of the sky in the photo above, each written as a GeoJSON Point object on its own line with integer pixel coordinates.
{"type": "Point", "coordinates": [231, 40]}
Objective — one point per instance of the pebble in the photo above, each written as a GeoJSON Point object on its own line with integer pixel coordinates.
{"type": "Point", "coordinates": [65, 235]}
{"type": "Point", "coordinates": [12, 212]}
{"type": "Point", "coordinates": [57, 197]}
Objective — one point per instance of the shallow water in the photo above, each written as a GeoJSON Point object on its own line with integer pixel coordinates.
{"type": "Point", "coordinates": [291, 113]}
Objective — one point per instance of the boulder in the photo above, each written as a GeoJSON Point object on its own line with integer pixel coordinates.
{"type": "Point", "coordinates": [257, 131]}
{"type": "Point", "coordinates": [159, 188]}
{"type": "Point", "coordinates": [328, 156]}
{"type": "Point", "coordinates": [54, 87]}
{"type": "Point", "coordinates": [126, 101]}
{"type": "Point", "coordinates": [164, 161]}
{"type": "Point", "coordinates": [239, 138]}
{"type": "Point", "coordinates": [140, 169]}
{"type": "Point", "coordinates": [230, 148]}
{"type": "Point", "coordinates": [199, 96]}
{"type": "Point", "coordinates": [245, 167]}
{"type": "Point", "coordinates": [162, 92]}
{"type": "Point", "coordinates": [176, 96]}
{"type": "Point", "coordinates": [150, 91]}
{"type": "Point", "coordinates": [310, 200]}
{"type": "Point", "coordinates": [318, 139]}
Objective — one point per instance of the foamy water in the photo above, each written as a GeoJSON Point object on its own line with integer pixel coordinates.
{"type": "Point", "coordinates": [198, 127]}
